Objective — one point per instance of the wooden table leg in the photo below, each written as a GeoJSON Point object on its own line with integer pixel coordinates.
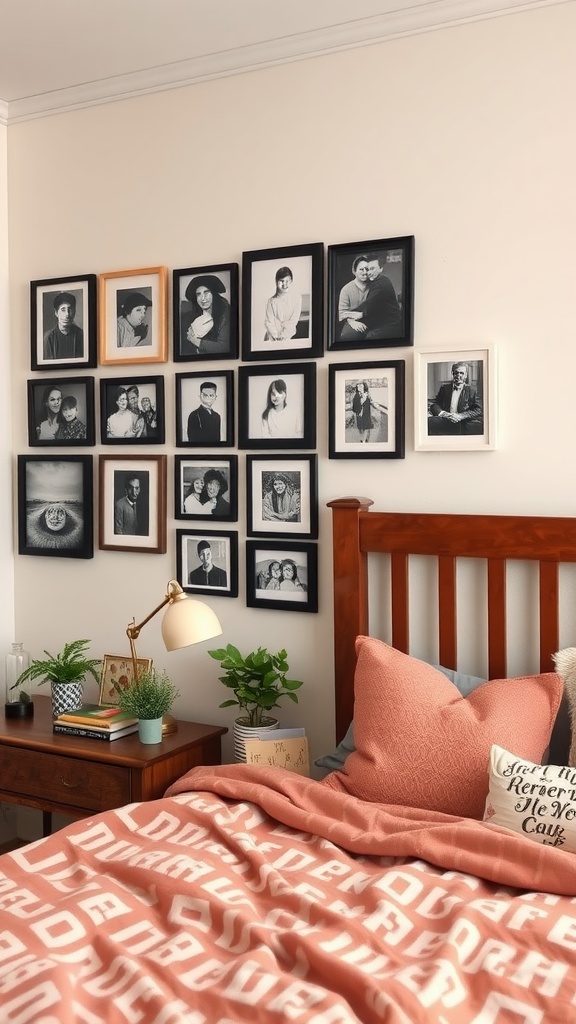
{"type": "Point", "coordinates": [46, 823]}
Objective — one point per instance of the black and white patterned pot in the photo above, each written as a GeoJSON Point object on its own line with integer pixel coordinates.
{"type": "Point", "coordinates": [66, 697]}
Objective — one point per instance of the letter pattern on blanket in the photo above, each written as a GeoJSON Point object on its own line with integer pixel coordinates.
{"type": "Point", "coordinates": [193, 910]}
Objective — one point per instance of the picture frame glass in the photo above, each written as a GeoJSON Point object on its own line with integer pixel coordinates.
{"type": "Point", "coordinates": [117, 674]}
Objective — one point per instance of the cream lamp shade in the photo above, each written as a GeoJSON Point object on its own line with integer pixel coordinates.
{"type": "Point", "coordinates": [187, 621]}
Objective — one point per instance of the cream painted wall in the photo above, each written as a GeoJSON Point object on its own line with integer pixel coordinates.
{"type": "Point", "coordinates": [463, 137]}
{"type": "Point", "coordinates": [6, 536]}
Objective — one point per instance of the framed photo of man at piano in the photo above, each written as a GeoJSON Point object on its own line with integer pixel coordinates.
{"type": "Point", "coordinates": [455, 399]}
{"type": "Point", "coordinates": [207, 562]}
{"type": "Point", "coordinates": [371, 293]}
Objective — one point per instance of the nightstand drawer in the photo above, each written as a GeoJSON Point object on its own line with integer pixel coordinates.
{"type": "Point", "coordinates": [64, 780]}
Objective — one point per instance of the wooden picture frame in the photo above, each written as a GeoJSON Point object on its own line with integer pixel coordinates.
{"type": "Point", "coordinates": [211, 555]}
{"type": "Point", "coordinates": [206, 487]}
{"type": "Point", "coordinates": [282, 495]}
{"type": "Point", "coordinates": [132, 516]}
{"type": "Point", "coordinates": [132, 316]}
{"type": "Point", "coordinates": [55, 514]}
{"type": "Point", "coordinates": [117, 674]}
{"type": "Point", "coordinates": [63, 323]}
{"type": "Point", "coordinates": [373, 282]}
{"type": "Point", "coordinates": [205, 312]}
{"type": "Point", "coordinates": [366, 410]}
{"type": "Point", "coordinates": [277, 406]}
{"type": "Point", "coordinates": [471, 426]}
{"type": "Point", "coordinates": [132, 410]}
{"type": "Point", "coordinates": [283, 302]}
{"type": "Point", "coordinates": [269, 584]}
{"type": "Point", "coordinates": [61, 412]}
{"type": "Point", "coordinates": [205, 409]}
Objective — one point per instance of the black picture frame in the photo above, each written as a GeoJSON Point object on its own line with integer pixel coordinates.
{"type": "Point", "coordinates": [366, 428]}
{"type": "Point", "coordinates": [132, 410]}
{"type": "Point", "coordinates": [72, 425]}
{"type": "Point", "coordinates": [52, 349]}
{"type": "Point", "coordinates": [195, 428]}
{"type": "Point", "coordinates": [259, 556]}
{"type": "Point", "coordinates": [221, 339]}
{"type": "Point", "coordinates": [213, 471]}
{"type": "Point", "coordinates": [387, 316]}
{"type": "Point", "coordinates": [296, 385]}
{"type": "Point", "coordinates": [140, 525]}
{"type": "Point", "coordinates": [293, 329]}
{"type": "Point", "coordinates": [224, 548]}
{"type": "Point", "coordinates": [282, 495]}
{"type": "Point", "coordinates": [55, 512]}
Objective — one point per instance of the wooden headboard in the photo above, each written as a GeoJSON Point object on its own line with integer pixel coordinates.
{"type": "Point", "coordinates": [496, 539]}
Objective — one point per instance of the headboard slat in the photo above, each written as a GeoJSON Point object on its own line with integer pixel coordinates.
{"type": "Point", "coordinates": [549, 625]}
{"type": "Point", "coordinates": [497, 618]}
{"type": "Point", "coordinates": [447, 611]}
{"type": "Point", "coordinates": [400, 602]}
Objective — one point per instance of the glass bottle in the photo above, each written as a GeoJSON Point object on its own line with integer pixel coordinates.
{"type": "Point", "coordinates": [18, 698]}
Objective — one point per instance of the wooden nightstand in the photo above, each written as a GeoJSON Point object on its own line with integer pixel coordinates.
{"type": "Point", "coordinates": [80, 777]}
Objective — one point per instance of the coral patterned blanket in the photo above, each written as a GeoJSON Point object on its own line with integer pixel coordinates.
{"type": "Point", "coordinates": [251, 894]}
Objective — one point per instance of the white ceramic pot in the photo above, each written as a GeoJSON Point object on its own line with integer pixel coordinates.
{"type": "Point", "coordinates": [66, 697]}
{"type": "Point", "coordinates": [150, 730]}
{"type": "Point", "coordinates": [242, 731]}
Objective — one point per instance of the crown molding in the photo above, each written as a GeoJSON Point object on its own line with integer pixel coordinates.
{"type": "Point", "coordinates": [428, 16]}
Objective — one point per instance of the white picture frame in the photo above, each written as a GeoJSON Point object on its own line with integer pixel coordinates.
{"type": "Point", "coordinates": [471, 423]}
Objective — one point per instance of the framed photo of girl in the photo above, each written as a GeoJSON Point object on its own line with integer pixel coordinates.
{"type": "Point", "coordinates": [277, 406]}
{"type": "Point", "coordinates": [61, 411]}
{"type": "Point", "coordinates": [55, 506]}
{"type": "Point", "coordinates": [132, 316]}
{"type": "Point", "coordinates": [63, 323]}
{"type": "Point", "coordinates": [282, 302]}
{"type": "Point", "coordinates": [132, 503]}
{"type": "Point", "coordinates": [207, 562]}
{"type": "Point", "coordinates": [282, 575]}
{"type": "Point", "coordinates": [205, 312]}
{"type": "Point", "coordinates": [206, 487]}
{"type": "Point", "coordinates": [132, 410]}
{"type": "Point", "coordinates": [205, 409]}
{"type": "Point", "coordinates": [455, 399]}
{"type": "Point", "coordinates": [366, 410]}
{"type": "Point", "coordinates": [282, 495]}
{"type": "Point", "coordinates": [371, 293]}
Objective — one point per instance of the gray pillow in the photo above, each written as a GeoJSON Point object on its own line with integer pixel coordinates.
{"type": "Point", "coordinates": [334, 762]}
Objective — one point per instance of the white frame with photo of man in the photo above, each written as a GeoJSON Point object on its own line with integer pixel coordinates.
{"type": "Point", "coordinates": [75, 333]}
{"type": "Point", "coordinates": [223, 549]}
{"type": "Point", "coordinates": [471, 425]}
{"type": "Point", "coordinates": [114, 473]}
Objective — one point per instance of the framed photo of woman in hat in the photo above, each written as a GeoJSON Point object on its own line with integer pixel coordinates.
{"type": "Point", "coordinates": [132, 316]}
{"type": "Point", "coordinates": [205, 312]}
{"type": "Point", "coordinates": [63, 323]}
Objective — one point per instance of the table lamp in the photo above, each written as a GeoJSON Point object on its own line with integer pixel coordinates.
{"type": "Point", "coordinates": [186, 621]}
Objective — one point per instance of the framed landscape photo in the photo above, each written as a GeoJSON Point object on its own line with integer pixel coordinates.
{"type": "Point", "coordinates": [61, 411]}
{"type": "Point", "coordinates": [63, 323]}
{"type": "Point", "coordinates": [132, 410]}
{"type": "Point", "coordinates": [277, 406]}
{"type": "Point", "coordinates": [455, 399]}
{"type": "Point", "coordinates": [371, 293]}
{"type": "Point", "coordinates": [207, 562]}
{"type": "Point", "coordinates": [206, 487]}
{"type": "Point", "coordinates": [132, 503]}
{"type": "Point", "coordinates": [132, 316]}
{"type": "Point", "coordinates": [282, 575]}
{"type": "Point", "coordinates": [117, 675]}
{"type": "Point", "coordinates": [366, 410]}
{"type": "Point", "coordinates": [205, 409]}
{"type": "Point", "coordinates": [282, 302]}
{"type": "Point", "coordinates": [205, 312]}
{"type": "Point", "coordinates": [282, 495]}
{"type": "Point", "coordinates": [55, 515]}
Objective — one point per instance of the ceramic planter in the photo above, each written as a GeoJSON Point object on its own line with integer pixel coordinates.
{"type": "Point", "coordinates": [150, 730]}
{"type": "Point", "coordinates": [66, 697]}
{"type": "Point", "coordinates": [242, 731]}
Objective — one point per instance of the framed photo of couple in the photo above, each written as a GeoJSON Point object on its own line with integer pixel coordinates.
{"type": "Point", "coordinates": [63, 323]}
{"type": "Point", "coordinates": [282, 495]}
{"type": "Point", "coordinates": [371, 293]}
{"type": "Point", "coordinates": [206, 487]}
{"type": "Point", "coordinates": [455, 399]}
{"type": "Point", "coordinates": [366, 410]}
{"type": "Point", "coordinates": [207, 562]}
{"type": "Point", "coordinates": [282, 575]}
{"type": "Point", "coordinates": [61, 411]}
{"type": "Point", "coordinates": [205, 312]}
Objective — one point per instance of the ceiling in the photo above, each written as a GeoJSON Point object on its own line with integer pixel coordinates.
{"type": "Point", "coordinates": [58, 55]}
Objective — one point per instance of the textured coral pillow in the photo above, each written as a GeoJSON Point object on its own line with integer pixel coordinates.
{"type": "Point", "coordinates": [421, 744]}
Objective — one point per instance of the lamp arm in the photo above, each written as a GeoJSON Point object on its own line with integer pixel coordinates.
{"type": "Point", "coordinates": [173, 591]}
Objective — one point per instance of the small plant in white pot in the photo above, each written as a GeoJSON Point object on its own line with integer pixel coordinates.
{"type": "Point", "coordinates": [65, 672]}
{"type": "Point", "coordinates": [148, 698]}
{"type": "Point", "coordinates": [259, 682]}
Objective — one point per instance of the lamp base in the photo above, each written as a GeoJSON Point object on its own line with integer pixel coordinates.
{"type": "Point", "coordinates": [169, 725]}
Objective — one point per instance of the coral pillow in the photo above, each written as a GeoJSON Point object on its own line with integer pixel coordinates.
{"type": "Point", "coordinates": [419, 743]}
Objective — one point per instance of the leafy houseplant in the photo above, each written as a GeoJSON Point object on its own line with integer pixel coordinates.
{"type": "Point", "coordinates": [258, 681]}
{"type": "Point", "coordinates": [150, 696]}
{"type": "Point", "coordinates": [67, 669]}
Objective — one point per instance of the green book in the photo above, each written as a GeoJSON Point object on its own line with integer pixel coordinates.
{"type": "Point", "coordinates": [98, 716]}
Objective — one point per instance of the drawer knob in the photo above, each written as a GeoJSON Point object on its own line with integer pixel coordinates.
{"type": "Point", "coordinates": [70, 785]}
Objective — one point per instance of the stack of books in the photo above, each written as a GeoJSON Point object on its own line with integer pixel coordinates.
{"type": "Point", "coordinates": [96, 722]}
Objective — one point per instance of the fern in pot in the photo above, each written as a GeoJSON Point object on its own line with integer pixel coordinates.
{"type": "Point", "coordinates": [65, 672]}
{"type": "Point", "coordinates": [148, 698]}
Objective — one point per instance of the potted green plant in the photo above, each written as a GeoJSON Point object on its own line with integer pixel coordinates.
{"type": "Point", "coordinates": [148, 698]}
{"type": "Point", "coordinates": [65, 672]}
{"type": "Point", "coordinates": [259, 683]}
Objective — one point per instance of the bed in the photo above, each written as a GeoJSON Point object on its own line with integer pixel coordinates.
{"type": "Point", "coordinates": [258, 894]}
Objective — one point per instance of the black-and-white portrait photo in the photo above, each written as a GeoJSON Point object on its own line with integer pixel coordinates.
{"type": "Point", "coordinates": [366, 410]}
{"type": "Point", "coordinates": [282, 576]}
{"type": "Point", "coordinates": [55, 506]}
{"type": "Point", "coordinates": [61, 411]}
{"type": "Point", "coordinates": [131, 503]}
{"type": "Point", "coordinates": [206, 487]}
{"type": "Point", "coordinates": [208, 562]}
{"type": "Point", "coordinates": [282, 293]}
{"type": "Point", "coordinates": [204, 409]}
{"type": "Point", "coordinates": [132, 410]}
{"type": "Point", "coordinates": [455, 398]}
{"type": "Point", "coordinates": [132, 324]}
{"type": "Point", "coordinates": [206, 312]}
{"type": "Point", "coordinates": [370, 293]}
{"type": "Point", "coordinates": [63, 322]}
{"type": "Point", "coordinates": [278, 406]}
{"type": "Point", "coordinates": [282, 495]}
